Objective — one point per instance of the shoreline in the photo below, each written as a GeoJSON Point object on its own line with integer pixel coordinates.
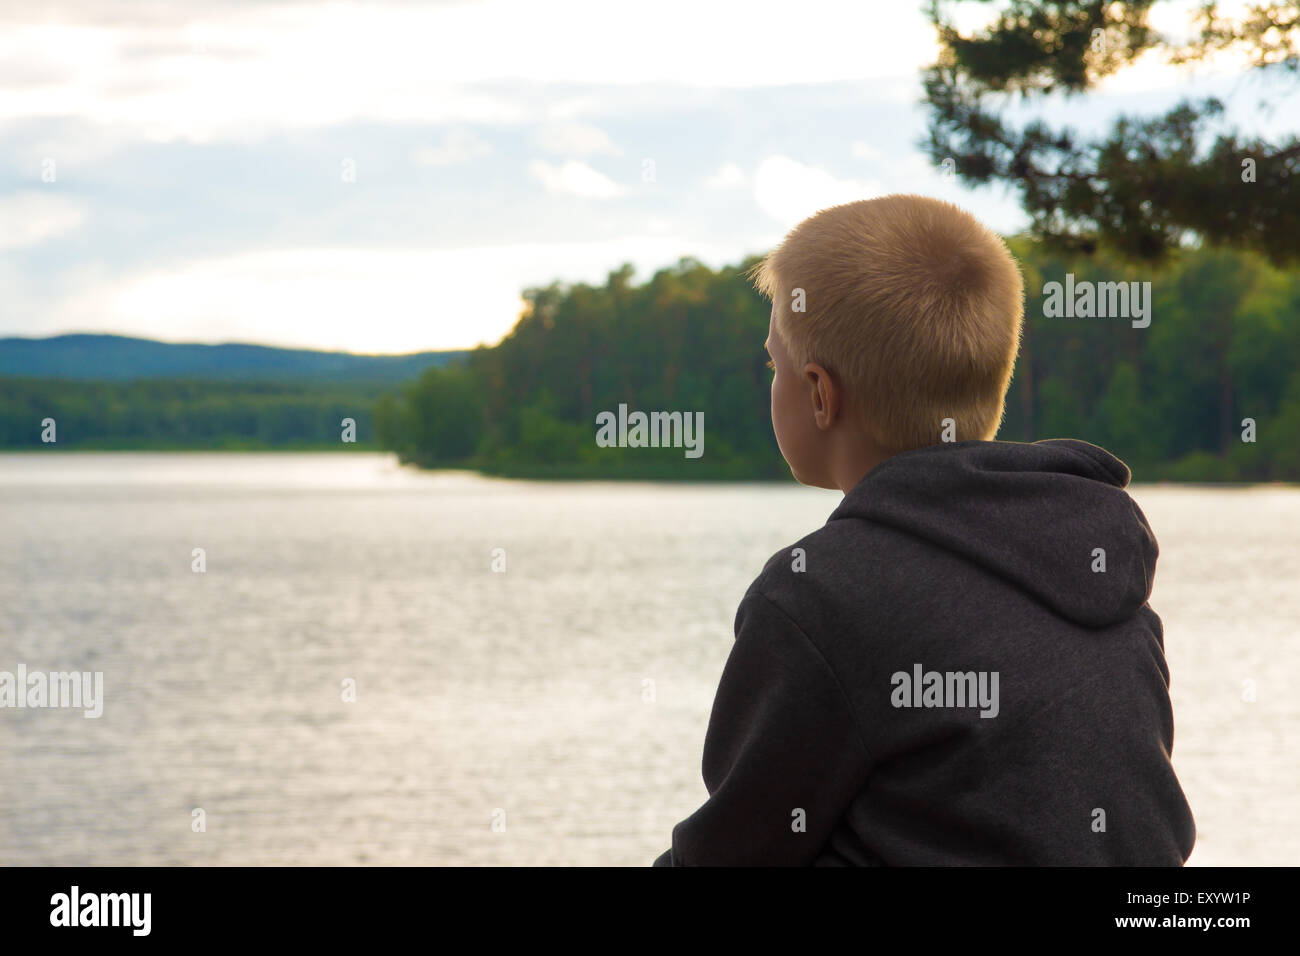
{"type": "Point", "coordinates": [720, 474]}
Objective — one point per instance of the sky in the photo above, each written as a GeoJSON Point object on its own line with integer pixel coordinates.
{"type": "Point", "coordinates": [390, 177]}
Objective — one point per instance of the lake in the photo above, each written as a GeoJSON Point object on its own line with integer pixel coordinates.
{"type": "Point", "coordinates": [552, 712]}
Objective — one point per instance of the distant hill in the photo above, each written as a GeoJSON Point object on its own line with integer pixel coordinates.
{"type": "Point", "coordinates": [121, 358]}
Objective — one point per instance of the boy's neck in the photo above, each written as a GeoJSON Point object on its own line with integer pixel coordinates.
{"type": "Point", "coordinates": [853, 462]}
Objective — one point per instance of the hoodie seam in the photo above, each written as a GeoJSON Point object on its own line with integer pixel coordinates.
{"type": "Point", "coordinates": [835, 678]}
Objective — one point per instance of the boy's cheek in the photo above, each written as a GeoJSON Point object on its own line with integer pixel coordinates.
{"type": "Point", "coordinates": [790, 437]}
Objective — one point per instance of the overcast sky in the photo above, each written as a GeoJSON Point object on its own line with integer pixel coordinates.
{"type": "Point", "coordinates": [390, 176]}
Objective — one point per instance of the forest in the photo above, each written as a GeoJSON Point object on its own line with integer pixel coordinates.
{"type": "Point", "coordinates": [1208, 389]}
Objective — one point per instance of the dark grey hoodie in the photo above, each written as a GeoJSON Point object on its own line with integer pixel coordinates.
{"type": "Point", "coordinates": [959, 668]}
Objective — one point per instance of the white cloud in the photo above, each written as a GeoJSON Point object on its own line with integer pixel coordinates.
{"type": "Point", "coordinates": [575, 178]}
{"type": "Point", "coordinates": [205, 73]}
{"type": "Point", "coordinates": [865, 151]}
{"type": "Point", "coordinates": [790, 191]}
{"type": "Point", "coordinates": [31, 218]}
{"type": "Point", "coordinates": [729, 176]}
{"type": "Point", "coordinates": [458, 146]}
{"type": "Point", "coordinates": [575, 139]}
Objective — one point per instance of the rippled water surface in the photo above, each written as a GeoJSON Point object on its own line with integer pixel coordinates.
{"type": "Point", "coordinates": [566, 696]}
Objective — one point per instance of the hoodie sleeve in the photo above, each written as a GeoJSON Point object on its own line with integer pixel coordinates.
{"type": "Point", "coordinates": [783, 757]}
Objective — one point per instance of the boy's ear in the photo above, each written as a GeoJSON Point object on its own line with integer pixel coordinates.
{"type": "Point", "coordinates": [824, 393]}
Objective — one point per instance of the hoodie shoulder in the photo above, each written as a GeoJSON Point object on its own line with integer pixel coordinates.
{"type": "Point", "coordinates": [810, 577]}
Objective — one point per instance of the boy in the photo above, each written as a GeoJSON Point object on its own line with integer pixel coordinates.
{"type": "Point", "coordinates": [960, 667]}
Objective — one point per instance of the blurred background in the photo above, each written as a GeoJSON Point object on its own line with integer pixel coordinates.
{"type": "Point", "coordinates": [331, 294]}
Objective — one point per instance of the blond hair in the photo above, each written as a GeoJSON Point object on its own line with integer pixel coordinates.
{"type": "Point", "coordinates": [911, 303]}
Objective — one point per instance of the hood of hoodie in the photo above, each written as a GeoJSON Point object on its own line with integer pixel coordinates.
{"type": "Point", "coordinates": [1032, 513]}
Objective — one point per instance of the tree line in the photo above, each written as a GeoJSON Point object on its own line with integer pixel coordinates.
{"type": "Point", "coordinates": [1179, 399]}
{"type": "Point", "coordinates": [183, 414]}
{"type": "Point", "coordinates": [1218, 361]}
